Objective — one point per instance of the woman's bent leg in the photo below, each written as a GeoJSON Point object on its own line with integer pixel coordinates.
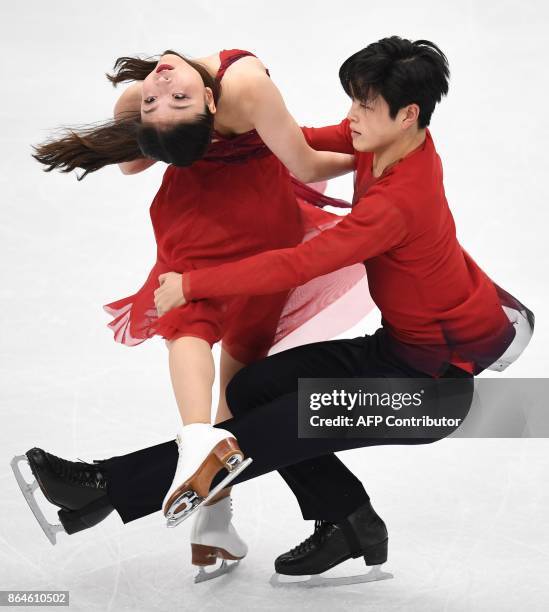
{"type": "Point", "coordinates": [201, 447]}
{"type": "Point", "coordinates": [192, 374]}
{"type": "Point", "coordinates": [228, 367]}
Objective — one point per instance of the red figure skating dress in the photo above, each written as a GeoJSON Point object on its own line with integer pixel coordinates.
{"type": "Point", "coordinates": [237, 201]}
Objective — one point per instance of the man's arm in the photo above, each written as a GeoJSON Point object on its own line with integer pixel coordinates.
{"type": "Point", "coordinates": [374, 226]}
{"type": "Point", "coordinates": [330, 138]}
{"type": "Point", "coordinates": [277, 128]}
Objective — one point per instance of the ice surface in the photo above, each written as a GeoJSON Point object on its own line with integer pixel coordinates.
{"type": "Point", "coordinates": [467, 518]}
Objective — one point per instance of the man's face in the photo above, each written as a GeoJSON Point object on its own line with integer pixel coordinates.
{"type": "Point", "coordinates": [372, 129]}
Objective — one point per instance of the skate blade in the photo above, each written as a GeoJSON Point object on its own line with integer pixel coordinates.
{"type": "Point", "coordinates": [224, 568]}
{"type": "Point", "coordinates": [28, 493]}
{"type": "Point", "coordinates": [282, 581]}
{"type": "Point", "coordinates": [175, 520]}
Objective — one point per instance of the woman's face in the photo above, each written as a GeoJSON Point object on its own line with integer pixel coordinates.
{"type": "Point", "coordinates": [173, 93]}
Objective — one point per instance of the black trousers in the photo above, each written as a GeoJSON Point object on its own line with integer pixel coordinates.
{"type": "Point", "coordinates": [263, 399]}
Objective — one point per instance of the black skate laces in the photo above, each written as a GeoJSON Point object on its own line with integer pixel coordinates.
{"type": "Point", "coordinates": [322, 529]}
{"type": "Point", "coordinates": [82, 473]}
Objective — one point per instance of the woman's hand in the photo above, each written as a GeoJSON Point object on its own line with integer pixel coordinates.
{"type": "Point", "coordinates": [170, 293]}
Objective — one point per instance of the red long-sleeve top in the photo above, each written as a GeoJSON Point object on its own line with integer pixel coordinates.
{"type": "Point", "coordinates": [428, 289]}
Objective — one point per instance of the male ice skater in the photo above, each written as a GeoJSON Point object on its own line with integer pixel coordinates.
{"type": "Point", "coordinates": [442, 317]}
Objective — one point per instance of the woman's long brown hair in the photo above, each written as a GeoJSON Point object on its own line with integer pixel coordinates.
{"type": "Point", "coordinates": [93, 146]}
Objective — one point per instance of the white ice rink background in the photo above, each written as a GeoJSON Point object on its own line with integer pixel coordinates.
{"type": "Point", "coordinates": [467, 518]}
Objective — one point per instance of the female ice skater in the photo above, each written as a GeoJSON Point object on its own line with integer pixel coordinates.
{"type": "Point", "coordinates": [442, 317]}
{"type": "Point", "coordinates": [222, 125]}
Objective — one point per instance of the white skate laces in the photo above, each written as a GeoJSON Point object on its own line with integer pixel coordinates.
{"type": "Point", "coordinates": [213, 527]}
{"type": "Point", "coordinates": [214, 537]}
{"type": "Point", "coordinates": [203, 451]}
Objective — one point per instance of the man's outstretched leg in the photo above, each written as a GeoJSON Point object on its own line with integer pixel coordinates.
{"type": "Point", "coordinates": [136, 483]}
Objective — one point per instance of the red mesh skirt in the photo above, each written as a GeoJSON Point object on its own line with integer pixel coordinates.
{"type": "Point", "coordinates": [250, 325]}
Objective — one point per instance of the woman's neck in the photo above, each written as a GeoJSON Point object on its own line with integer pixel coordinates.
{"type": "Point", "coordinates": [210, 62]}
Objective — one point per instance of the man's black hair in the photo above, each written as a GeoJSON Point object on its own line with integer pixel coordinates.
{"type": "Point", "coordinates": [402, 71]}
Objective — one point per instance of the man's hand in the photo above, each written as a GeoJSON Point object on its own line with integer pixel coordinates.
{"type": "Point", "coordinates": [170, 293]}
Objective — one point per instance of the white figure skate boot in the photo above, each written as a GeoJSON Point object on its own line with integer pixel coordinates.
{"type": "Point", "coordinates": [203, 451]}
{"type": "Point", "coordinates": [213, 537]}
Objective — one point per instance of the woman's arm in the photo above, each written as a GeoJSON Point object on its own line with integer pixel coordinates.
{"type": "Point", "coordinates": [265, 108]}
{"type": "Point", "coordinates": [130, 102]}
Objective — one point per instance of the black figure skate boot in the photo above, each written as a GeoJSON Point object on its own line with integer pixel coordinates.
{"type": "Point", "coordinates": [79, 489]}
{"type": "Point", "coordinates": [361, 534]}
